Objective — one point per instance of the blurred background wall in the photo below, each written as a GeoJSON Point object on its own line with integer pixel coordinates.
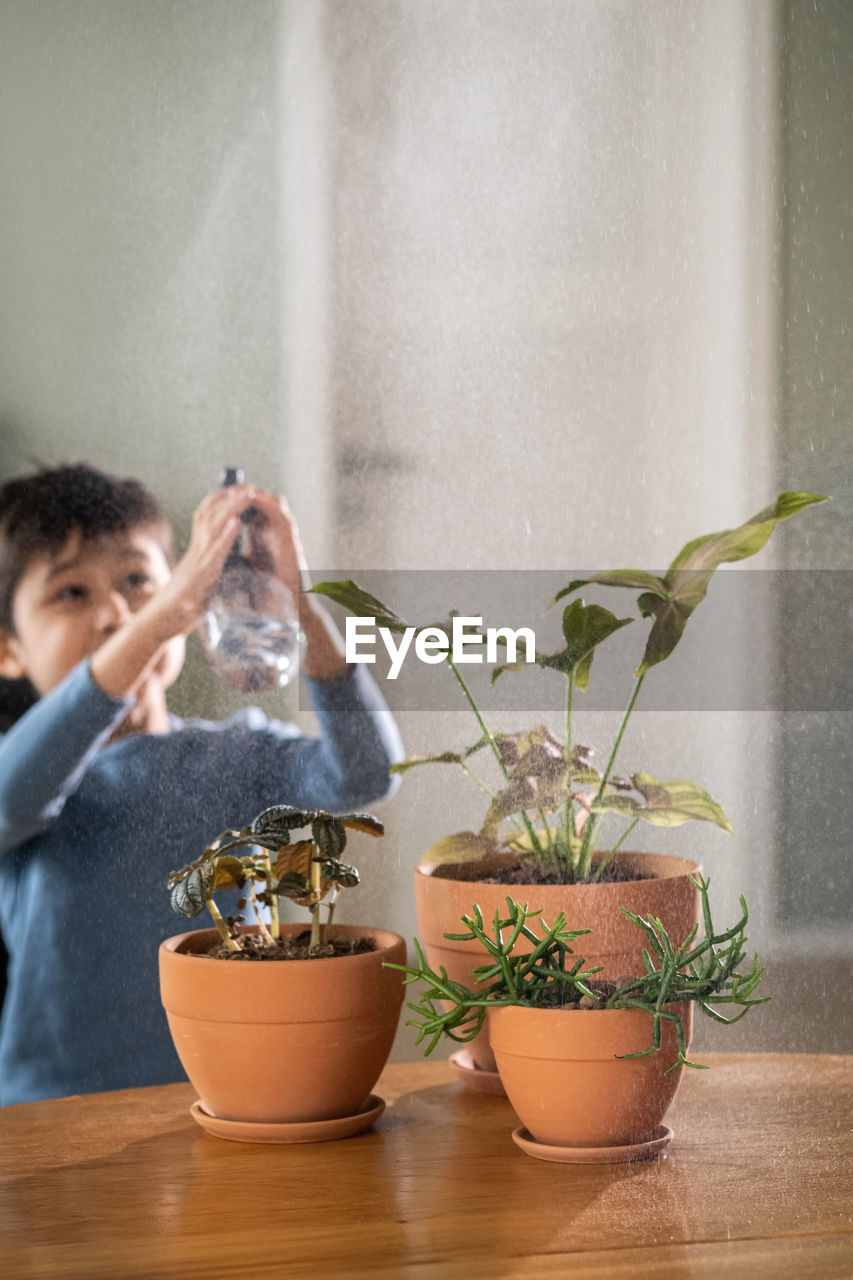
{"type": "Point", "coordinates": [478, 284]}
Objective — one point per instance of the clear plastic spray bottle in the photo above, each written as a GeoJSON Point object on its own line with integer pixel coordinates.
{"type": "Point", "coordinates": [250, 632]}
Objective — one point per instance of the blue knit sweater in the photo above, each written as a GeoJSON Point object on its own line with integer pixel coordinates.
{"type": "Point", "coordinates": [89, 831]}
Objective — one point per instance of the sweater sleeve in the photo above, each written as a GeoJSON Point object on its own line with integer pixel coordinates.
{"type": "Point", "coordinates": [45, 755]}
{"type": "Point", "coordinates": [347, 766]}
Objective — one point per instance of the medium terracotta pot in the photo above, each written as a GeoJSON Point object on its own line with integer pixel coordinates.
{"type": "Point", "coordinates": [443, 895]}
{"type": "Point", "coordinates": [562, 1073]}
{"type": "Point", "coordinates": [282, 1041]}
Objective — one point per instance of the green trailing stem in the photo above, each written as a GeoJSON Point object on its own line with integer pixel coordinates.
{"type": "Point", "coordinates": [541, 979]}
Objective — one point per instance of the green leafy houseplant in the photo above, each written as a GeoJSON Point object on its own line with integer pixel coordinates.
{"type": "Point", "coordinates": [306, 870]}
{"type": "Point", "coordinates": [551, 803]}
{"type": "Point", "coordinates": [704, 971]}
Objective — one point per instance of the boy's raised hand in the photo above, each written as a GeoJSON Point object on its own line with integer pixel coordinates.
{"type": "Point", "coordinates": [216, 525]}
{"type": "Point", "coordinates": [144, 655]}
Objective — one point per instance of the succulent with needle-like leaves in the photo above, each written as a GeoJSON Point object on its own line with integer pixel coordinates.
{"type": "Point", "coordinates": [555, 801]}
{"type": "Point", "coordinates": [705, 971]}
{"type": "Point", "coordinates": [306, 870]}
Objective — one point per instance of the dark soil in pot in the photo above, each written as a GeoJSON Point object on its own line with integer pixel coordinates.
{"type": "Point", "coordinates": [298, 948]}
{"type": "Point", "coordinates": [506, 869]}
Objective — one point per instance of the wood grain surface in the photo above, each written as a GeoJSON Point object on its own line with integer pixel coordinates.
{"type": "Point", "coordinates": [757, 1183]}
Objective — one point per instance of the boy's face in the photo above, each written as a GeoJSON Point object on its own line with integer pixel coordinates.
{"type": "Point", "coordinates": [68, 603]}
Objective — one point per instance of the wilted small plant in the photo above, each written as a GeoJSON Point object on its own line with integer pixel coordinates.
{"type": "Point", "coordinates": [705, 972]}
{"type": "Point", "coordinates": [307, 871]}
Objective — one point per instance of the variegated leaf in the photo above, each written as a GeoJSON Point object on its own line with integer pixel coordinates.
{"type": "Point", "coordinates": [667, 804]}
{"type": "Point", "coordinates": [364, 822]}
{"type": "Point", "coordinates": [295, 859]}
{"type": "Point", "coordinates": [329, 836]}
{"type": "Point", "coordinates": [294, 886]}
{"type": "Point", "coordinates": [339, 873]}
{"type": "Point", "coordinates": [228, 873]}
{"type": "Point", "coordinates": [463, 846]}
{"type": "Point", "coordinates": [189, 895]}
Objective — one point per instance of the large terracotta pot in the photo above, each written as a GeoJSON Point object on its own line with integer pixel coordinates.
{"type": "Point", "coordinates": [282, 1041]}
{"type": "Point", "coordinates": [443, 894]}
{"type": "Point", "coordinates": [562, 1073]}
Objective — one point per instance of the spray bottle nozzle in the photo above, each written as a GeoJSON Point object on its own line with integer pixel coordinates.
{"type": "Point", "coordinates": [236, 475]}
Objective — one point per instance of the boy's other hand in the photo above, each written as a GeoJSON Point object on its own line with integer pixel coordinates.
{"type": "Point", "coordinates": [276, 546]}
{"type": "Point", "coordinates": [275, 542]}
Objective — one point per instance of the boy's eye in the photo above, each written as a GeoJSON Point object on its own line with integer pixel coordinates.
{"type": "Point", "coordinates": [138, 580]}
{"type": "Point", "coordinates": [70, 593]}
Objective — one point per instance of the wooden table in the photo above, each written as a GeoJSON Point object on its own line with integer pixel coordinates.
{"type": "Point", "coordinates": [758, 1183]}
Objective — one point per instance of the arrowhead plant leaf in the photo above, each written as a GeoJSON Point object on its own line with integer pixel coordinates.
{"type": "Point", "coordinates": [635, 578]}
{"type": "Point", "coordinates": [672, 598]}
{"type": "Point", "coordinates": [584, 628]}
{"type": "Point", "coordinates": [443, 757]}
{"type": "Point", "coordinates": [462, 846]}
{"type": "Point", "coordinates": [667, 804]}
{"type": "Point", "coordinates": [361, 603]}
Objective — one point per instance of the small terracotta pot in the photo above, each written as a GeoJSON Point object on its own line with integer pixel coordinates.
{"type": "Point", "coordinates": [443, 895]}
{"type": "Point", "coordinates": [282, 1041]}
{"type": "Point", "coordinates": [562, 1073]}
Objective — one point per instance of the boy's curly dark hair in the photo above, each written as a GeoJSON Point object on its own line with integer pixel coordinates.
{"type": "Point", "coordinates": [39, 512]}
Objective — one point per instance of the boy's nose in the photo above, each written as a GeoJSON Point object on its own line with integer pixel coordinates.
{"type": "Point", "coordinates": [113, 612]}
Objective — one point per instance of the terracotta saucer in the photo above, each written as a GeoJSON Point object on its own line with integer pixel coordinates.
{"type": "Point", "coordinates": [593, 1155]}
{"type": "Point", "coordinates": [303, 1131]}
{"type": "Point", "coordinates": [475, 1077]}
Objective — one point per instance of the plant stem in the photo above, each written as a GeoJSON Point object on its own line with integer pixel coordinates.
{"type": "Point", "coordinates": [262, 928]}
{"type": "Point", "coordinates": [587, 846]}
{"type": "Point", "coordinates": [537, 848]}
{"type": "Point", "coordinates": [570, 830]}
{"type": "Point", "coordinates": [487, 791]}
{"type": "Point", "coordinates": [316, 890]}
{"type": "Point", "coordinates": [478, 781]}
{"type": "Point", "coordinates": [274, 921]}
{"type": "Point", "coordinates": [549, 835]}
{"type": "Point", "coordinates": [221, 926]}
{"type": "Point", "coordinates": [608, 857]}
{"type": "Point", "coordinates": [335, 895]}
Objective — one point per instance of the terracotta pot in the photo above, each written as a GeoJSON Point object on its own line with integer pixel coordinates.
{"type": "Point", "coordinates": [443, 895]}
{"type": "Point", "coordinates": [562, 1073]}
{"type": "Point", "coordinates": [282, 1041]}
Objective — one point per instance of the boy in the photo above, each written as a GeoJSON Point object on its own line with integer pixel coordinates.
{"type": "Point", "coordinates": [103, 792]}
